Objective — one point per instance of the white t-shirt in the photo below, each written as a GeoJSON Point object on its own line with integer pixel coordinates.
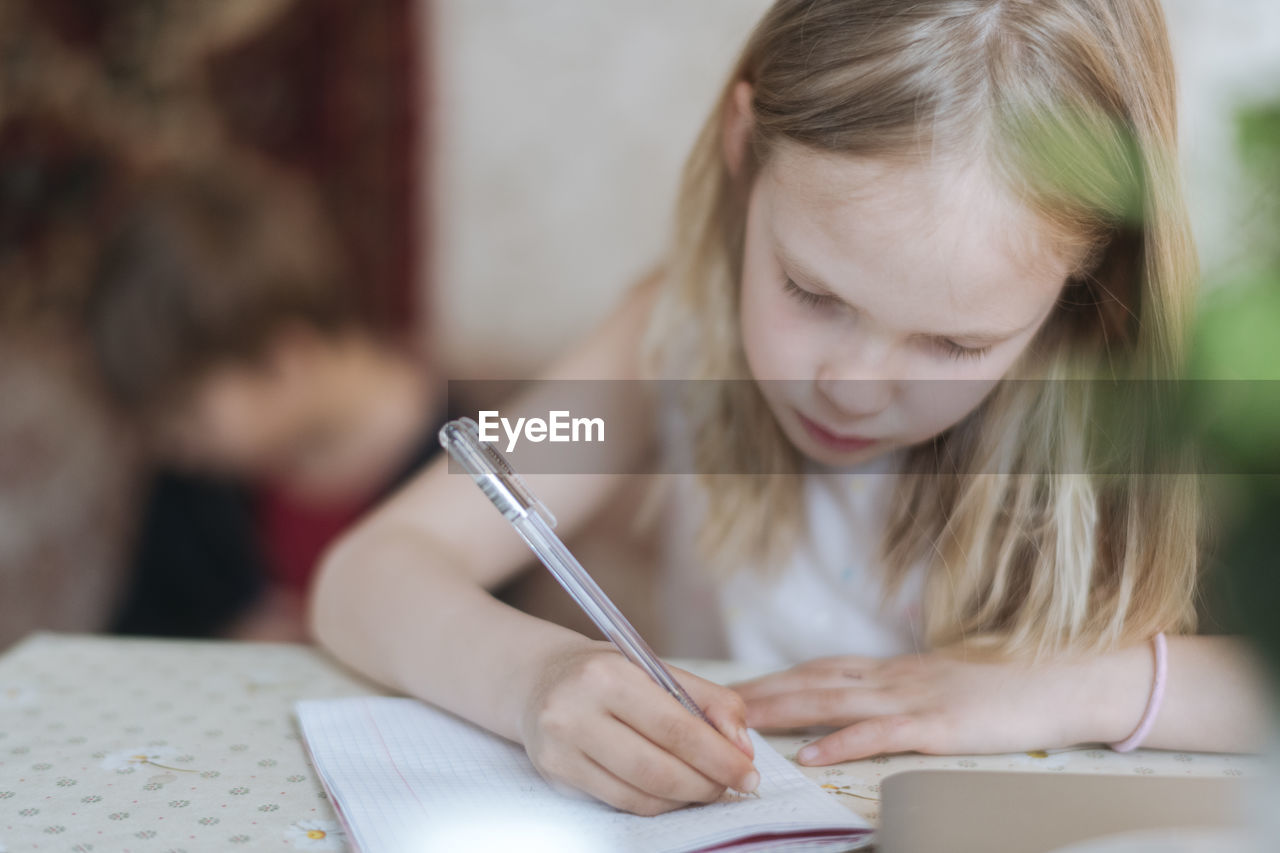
{"type": "Point", "coordinates": [828, 599]}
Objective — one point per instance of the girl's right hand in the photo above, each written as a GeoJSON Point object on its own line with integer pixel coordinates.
{"type": "Point", "coordinates": [598, 723]}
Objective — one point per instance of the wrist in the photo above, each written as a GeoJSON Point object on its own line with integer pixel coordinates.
{"type": "Point", "coordinates": [1116, 694]}
{"type": "Point", "coordinates": [533, 672]}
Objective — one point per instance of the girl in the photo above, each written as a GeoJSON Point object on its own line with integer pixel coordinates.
{"type": "Point", "coordinates": [895, 212]}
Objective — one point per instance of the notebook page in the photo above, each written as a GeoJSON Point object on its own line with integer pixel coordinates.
{"type": "Point", "coordinates": [406, 776]}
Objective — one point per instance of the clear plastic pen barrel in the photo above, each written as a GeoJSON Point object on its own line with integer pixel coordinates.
{"type": "Point", "coordinates": [587, 593]}
{"type": "Point", "coordinates": [530, 517]}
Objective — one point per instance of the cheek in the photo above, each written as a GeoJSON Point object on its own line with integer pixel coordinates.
{"type": "Point", "coordinates": [774, 336]}
{"type": "Point", "coordinates": [936, 400]}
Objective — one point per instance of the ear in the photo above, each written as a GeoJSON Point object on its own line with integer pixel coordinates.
{"type": "Point", "coordinates": [738, 125]}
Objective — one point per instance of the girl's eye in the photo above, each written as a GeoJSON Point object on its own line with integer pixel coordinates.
{"type": "Point", "coordinates": [806, 297]}
{"type": "Point", "coordinates": [953, 350]}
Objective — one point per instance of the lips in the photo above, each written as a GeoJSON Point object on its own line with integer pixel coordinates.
{"type": "Point", "coordinates": [835, 441]}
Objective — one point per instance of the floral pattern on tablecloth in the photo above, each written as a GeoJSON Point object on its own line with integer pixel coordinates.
{"type": "Point", "coordinates": [138, 746]}
{"type": "Point", "coordinates": [131, 746]}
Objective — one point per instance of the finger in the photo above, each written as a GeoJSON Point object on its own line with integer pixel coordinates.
{"type": "Point", "coordinates": [724, 708]}
{"type": "Point", "coordinates": [807, 679]}
{"type": "Point", "coordinates": [876, 736]}
{"type": "Point", "coordinates": [589, 777]}
{"type": "Point", "coordinates": [645, 766]}
{"type": "Point", "coordinates": [838, 662]}
{"type": "Point", "coordinates": [654, 713]}
{"type": "Point", "coordinates": [819, 672]}
{"type": "Point", "coordinates": [822, 707]}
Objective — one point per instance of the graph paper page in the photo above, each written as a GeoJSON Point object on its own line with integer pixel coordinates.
{"type": "Point", "coordinates": [407, 777]}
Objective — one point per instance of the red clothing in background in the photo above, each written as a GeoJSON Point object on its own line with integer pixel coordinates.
{"type": "Point", "coordinates": [293, 535]}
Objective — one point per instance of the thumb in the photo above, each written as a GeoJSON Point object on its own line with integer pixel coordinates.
{"type": "Point", "coordinates": [721, 706]}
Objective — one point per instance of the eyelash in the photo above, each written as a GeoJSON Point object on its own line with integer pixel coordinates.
{"type": "Point", "coordinates": [955, 351]}
{"type": "Point", "coordinates": [949, 348]}
{"type": "Point", "coordinates": [813, 300]}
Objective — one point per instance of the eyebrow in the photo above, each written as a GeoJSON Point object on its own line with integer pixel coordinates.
{"type": "Point", "coordinates": [797, 270]}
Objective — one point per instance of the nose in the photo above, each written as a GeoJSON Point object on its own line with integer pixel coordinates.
{"type": "Point", "coordinates": [856, 399]}
{"type": "Point", "coordinates": [855, 385]}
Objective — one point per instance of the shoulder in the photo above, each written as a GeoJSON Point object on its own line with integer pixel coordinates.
{"type": "Point", "coordinates": [614, 349]}
{"type": "Point", "coordinates": [672, 343]}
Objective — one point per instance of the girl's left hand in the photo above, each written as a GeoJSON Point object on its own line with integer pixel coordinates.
{"type": "Point", "coordinates": [942, 703]}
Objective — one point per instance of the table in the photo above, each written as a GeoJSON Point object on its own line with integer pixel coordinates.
{"type": "Point", "coordinates": [134, 746]}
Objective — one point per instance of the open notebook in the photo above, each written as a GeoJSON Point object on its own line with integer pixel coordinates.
{"type": "Point", "coordinates": [405, 776]}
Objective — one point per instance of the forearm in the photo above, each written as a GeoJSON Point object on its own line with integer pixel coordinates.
{"type": "Point", "coordinates": [1214, 699]}
{"type": "Point", "coordinates": [388, 605]}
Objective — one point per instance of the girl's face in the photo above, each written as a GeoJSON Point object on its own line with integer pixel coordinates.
{"type": "Point", "coordinates": [881, 302]}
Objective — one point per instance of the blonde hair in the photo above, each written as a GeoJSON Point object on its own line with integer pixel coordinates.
{"type": "Point", "coordinates": [1035, 541]}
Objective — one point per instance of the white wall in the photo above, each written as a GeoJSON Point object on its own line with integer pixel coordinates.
{"type": "Point", "coordinates": [561, 126]}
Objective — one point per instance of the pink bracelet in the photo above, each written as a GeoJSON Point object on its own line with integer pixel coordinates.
{"type": "Point", "coordinates": [1153, 702]}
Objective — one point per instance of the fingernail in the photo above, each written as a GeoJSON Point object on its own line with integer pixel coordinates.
{"type": "Point", "coordinates": [808, 754]}
{"type": "Point", "coordinates": [743, 739]}
{"type": "Point", "coordinates": [750, 783]}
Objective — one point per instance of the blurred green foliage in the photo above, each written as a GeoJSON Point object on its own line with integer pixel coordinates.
{"type": "Point", "coordinates": [1258, 141]}
{"type": "Point", "coordinates": [1236, 399]}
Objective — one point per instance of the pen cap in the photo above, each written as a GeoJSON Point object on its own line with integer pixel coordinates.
{"type": "Point", "coordinates": [491, 471]}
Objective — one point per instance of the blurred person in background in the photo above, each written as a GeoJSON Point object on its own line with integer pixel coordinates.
{"type": "Point", "coordinates": [68, 470]}
{"type": "Point", "coordinates": [225, 325]}
{"type": "Point", "coordinates": [67, 489]}
{"type": "Point", "coordinates": [94, 95]}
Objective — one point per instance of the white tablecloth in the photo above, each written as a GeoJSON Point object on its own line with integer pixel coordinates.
{"type": "Point", "coordinates": [133, 746]}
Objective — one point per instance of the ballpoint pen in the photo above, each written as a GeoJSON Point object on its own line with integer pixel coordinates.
{"type": "Point", "coordinates": [534, 522]}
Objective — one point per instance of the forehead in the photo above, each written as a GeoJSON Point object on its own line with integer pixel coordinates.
{"type": "Point", "coordinates": [944, 241]}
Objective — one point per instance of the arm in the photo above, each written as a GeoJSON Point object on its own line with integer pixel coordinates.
{"type": "Point", "coordinates": [943, 703]}
{"type": "Point", "coordinates": [404, 599]}
{"type": "Point", "coordinates": [1214, 698]}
